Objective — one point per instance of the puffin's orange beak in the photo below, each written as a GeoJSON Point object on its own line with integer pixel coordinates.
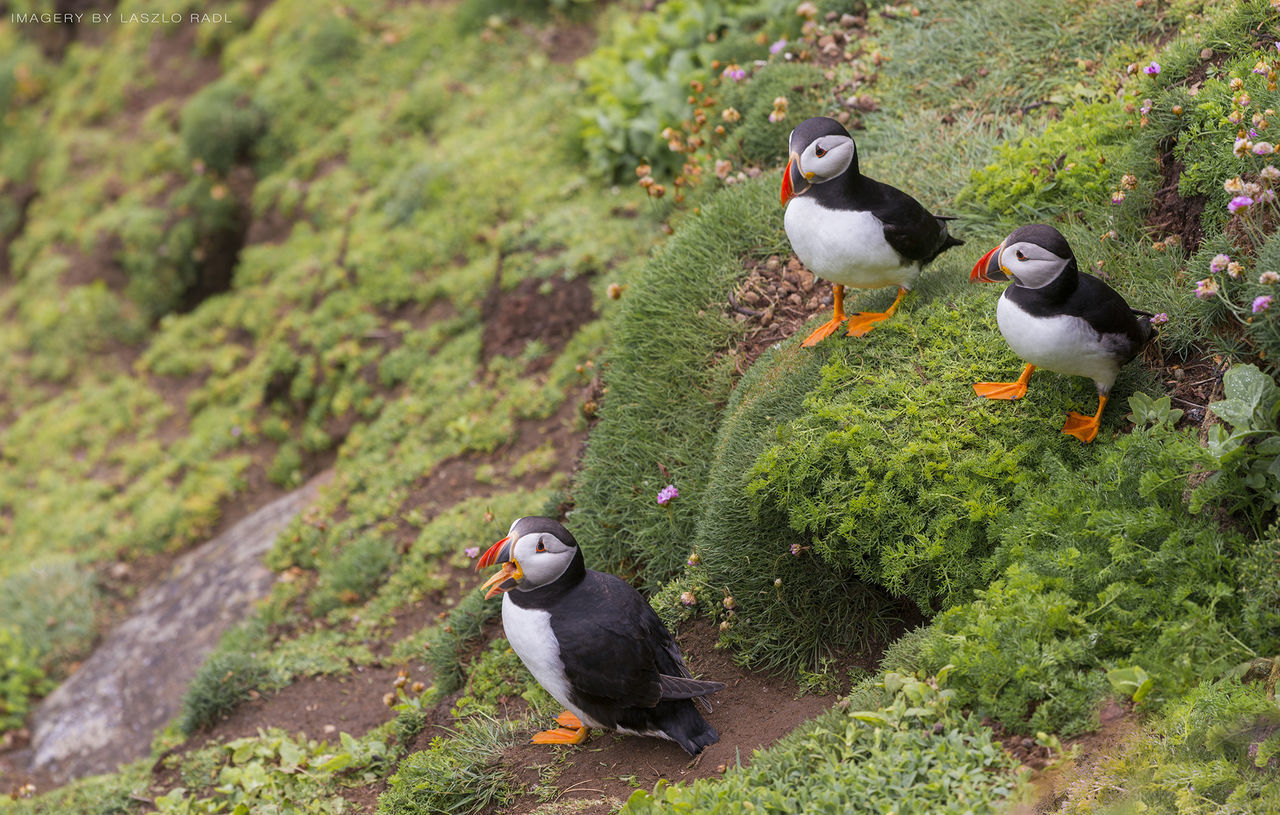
{"type": "Point", "coordinates": [788, 192]}
{"type": "Point", "coordinates": [511, 573]}
{"type": "Point", "coordinates": [987, 270]}
{"type": "Point", "coordinates": [491, 556]}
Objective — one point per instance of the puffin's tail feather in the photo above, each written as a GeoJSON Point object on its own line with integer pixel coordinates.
{"type": "Point", "coordinates": [1148, 328]}
{"type": "Point", "coordinates": [679, 687]}
{"type": "Point", "coordinates": [688, 729]}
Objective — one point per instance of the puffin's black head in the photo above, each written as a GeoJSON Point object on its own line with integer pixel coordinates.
{"type": "Point", "coordinates": [821, 149]}
{"type": "Point", "coordinates": [1033, 256]}
{"type": "Point", "coordinates": [536, 552]}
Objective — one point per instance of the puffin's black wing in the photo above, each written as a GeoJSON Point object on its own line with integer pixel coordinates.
{"type": "Point", "coordinates": [617, 652]}
{"type": "Point", "coordinates": [608, 644]}
{"type": "Point", "coordinates": [909, 228]}
{"type": "Point", "coordinates": [1107, 312]}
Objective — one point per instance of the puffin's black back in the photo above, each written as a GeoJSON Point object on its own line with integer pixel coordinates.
{"type": "Point", "coordinates": [616, 652]}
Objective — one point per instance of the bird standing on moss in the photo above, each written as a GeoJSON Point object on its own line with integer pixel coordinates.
{"type": "Point", "coordinates": [1054, 316]}
{"type": "Point", "coordinates": [593, 642]}
{"type": "Point", "coordinates": [850, 229]}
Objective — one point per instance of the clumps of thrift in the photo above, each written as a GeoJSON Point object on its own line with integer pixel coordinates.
{"type": "Point", "coordinates": [667, 494]}
{"type": "Point", "coordinates": [779, 110]}
{"type": "Point", "coordinates": [1160, 319]}
{"type": "Point", "coordinates": [1152, 69]}
{"type": "Point", "coordinates": [1261, 303]}
{"type": "Point", "coordinates": [1219, 263]}
{"type": "Point", "coordinates": [1238, 203]}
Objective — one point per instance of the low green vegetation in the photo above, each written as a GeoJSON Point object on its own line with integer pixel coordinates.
{"type": "Point", "coordinates": [311, 265]}
{"type": "Point", "coordinates": [914, 751]}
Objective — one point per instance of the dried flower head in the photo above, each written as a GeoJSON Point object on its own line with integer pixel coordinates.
{"type": "Point", "coordinates": [687, 599]}
{"type": "Point", "coordinates": [1219, 263]}
{"type": "Point", "coordinates": [1206, 288]}
{"type": "Point", "coordinates": [1234, 270]}
{"type": "Point", "coordinates": [1268, 278]}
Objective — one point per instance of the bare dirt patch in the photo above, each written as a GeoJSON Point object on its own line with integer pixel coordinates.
{"type": "Point", "coordinates": [550, 310]}
{"type": "Point", "coordinates": [776, 298]}
{"type": "Point", "coordinates": [567, 42]}
{"type": "Point", "coordinates": [753, 711]}
{"type": "Point", "coordinates": [1172, 215]}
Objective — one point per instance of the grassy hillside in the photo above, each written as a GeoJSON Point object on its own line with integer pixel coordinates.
{"type": "Point", "coordinates": [405, 242]}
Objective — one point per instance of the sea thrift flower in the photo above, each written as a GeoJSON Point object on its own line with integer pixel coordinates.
{"type": "Point", "coordinates": [687, 599]}
{"type": "Point", "coordinates": [1264, 148]}
{"type": "Point", "coordinates": [1268, 278]}
{"type": "Point", "coordinates": [1270, 173]}
{"type": "Point", "coordinates": [694, 559]}
{"type": "Point", "coordinates": [1206, 288]}
{"type": "Point", "coordinates": [730, 115]}
{"type": "Point", "coordinates": [723, 168]}
{"type": "Point", "coordinates": [778, 47]}
{"type": "Point", "coordinates": [1152, 69]}
{"type": "Point", "coordinates": [734, 72]}
{"type": "Point", "coordinates": [1261, 303]}
{"type": "Point", "coordinates": [1244, 100]}
{"type": "Point", "coordinates": [1233, 184]}
{"type": "Point", "coordinates": [667, 493]}
{"type": "Point", "coordinates": [796, 549]}
{"type": "Point", "coordinates": [807, 9]}
{"type": "Point", "coordinates": [1146, 107]}
{"type": "Point", "coordinates": [779, 109]}
{"type": "Point", "coordinates": [1251, 189]}
{"type": "Point", "coordinates": [1260, 67]}
{"type": "Point", "coordinates": [1239, 202]}
{"type": "Point", "coordinates": [1129, 181]}
{"type": "Point", "coordinates": [472, 552]}
{"type": "Point", "coordinates": [1235, 117]}
{"type": "Point", "coordinates": [1219, 263]}
{"type": "Point", "coordinates": [1267, 196]}
{"type": "Point", "coordinates": [1160, 319]}
{"type": "Point", "coordinates": [1235, 270]}
{"type": "Point", "coordinates": [1236, 83]}
{"type": "Point", "coordinates": [1242, 147]}
{"type": "Point", "coordinates": [1117, 197]}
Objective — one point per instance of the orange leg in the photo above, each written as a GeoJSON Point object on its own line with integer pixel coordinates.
{"type": "Point", "coordinates": [570, 731]}
{"type": "Point", "coordinates": [828, 328]}
{"type": "Point", "coordinates": [864, 321]}
{"type": "Point", "coordinates": [1084, 428]}
{"type": "Point", "coordinates": [1005, 390]}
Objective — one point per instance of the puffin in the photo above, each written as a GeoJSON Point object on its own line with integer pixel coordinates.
{"type": "Point", "coordinates": [592, 642]}
{"type": "Point", "coordinates": [852, 230]}
{"type": "Point", "coordinates": [1054, 316]}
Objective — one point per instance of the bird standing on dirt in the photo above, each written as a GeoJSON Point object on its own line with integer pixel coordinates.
{"type": "Point", "coordinates": [850, 229]}
{"type": "Point", "coordinates": [593, 642]}
{"type": "Point", "coordinates": [1055, 316]}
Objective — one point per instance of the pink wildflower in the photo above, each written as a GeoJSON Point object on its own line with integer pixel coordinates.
{"type": "Point", "coordinates": [1261, 303]}
{"type": "Point", "coordinates": [1206, 288]}
{"type": "Point", "coordinates": [667, 493]}
{"type": "Point", "coordinates": [1239, 202]}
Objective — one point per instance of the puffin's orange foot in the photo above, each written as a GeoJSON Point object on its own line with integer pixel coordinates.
{"type": "Point", "coordinates": [568, 719]}
{"type": "Point", "coordinates": [561, 735]}
{"type": "Point", "coordinates": [860, 324]}
{"type": "Point", "coordinates": [1001, 390]}
{"type": "Point", "coordinates": [1084, 428]}
{"type": "Point", "coordinates": [823, 331]}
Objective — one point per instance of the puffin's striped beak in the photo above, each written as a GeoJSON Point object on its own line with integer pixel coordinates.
{"type": "Point", "coordinates": [788, 188]}
{"type": "Point", "coordinates": [988, 270]}
{"type": "Point", "coordinates": [511, 573]}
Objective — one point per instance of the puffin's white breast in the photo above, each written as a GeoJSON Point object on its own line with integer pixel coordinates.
{"type": "Point", "coordinates": [1061, 343]}
{"type": "Point", "coordinates": [534, 641]}
{"type": "Point", "coordinates": [845, 246]}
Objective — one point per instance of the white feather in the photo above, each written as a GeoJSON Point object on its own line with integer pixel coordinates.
{"type": "Point", "coordinates": [534, 641]}
{"type": "Point", "coordinates": [1065, 344]}
{"type": "Point", "coordinates": [845, 246]}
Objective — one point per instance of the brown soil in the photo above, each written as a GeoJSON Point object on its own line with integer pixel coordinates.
{"type": "Point", "coordinates": [776, 298]}
{"type": "Point", "coordinates": [1192, 381]}
{"type": "Point", "coordinates": [549, 310]}
{"type": "Point", "coordinates": [567, 42]}
{"type": "Point", "coordinates": [1053, 783]}
{"type": "Point", "coordinates": [754, 711]}
{"type": "Point", "coordinates": [1171, 215]}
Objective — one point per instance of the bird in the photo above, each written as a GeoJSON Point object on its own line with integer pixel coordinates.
{"type": "Point", "coordinates": [1054, 316]}
{"type": "Point", "coordinates": [852, 230]}
{"type": "Point", "coordinates": [593, 642]}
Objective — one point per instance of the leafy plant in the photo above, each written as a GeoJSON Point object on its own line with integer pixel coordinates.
{"type": "Point", "coordinates": [20, 678]}
{"type": "Point", "coordinates": [1249, 454]}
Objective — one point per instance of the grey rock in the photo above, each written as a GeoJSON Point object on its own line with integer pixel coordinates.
{"type": "Point", "coordinates": [108, 711]}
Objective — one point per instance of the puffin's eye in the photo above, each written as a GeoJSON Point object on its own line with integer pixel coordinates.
{"type": "Point", "coordinates": [819, 152]}
{"type": "Point", "coordinates": [541, 546]}
{"type": "Point", "coordinates": [1020, 255]}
